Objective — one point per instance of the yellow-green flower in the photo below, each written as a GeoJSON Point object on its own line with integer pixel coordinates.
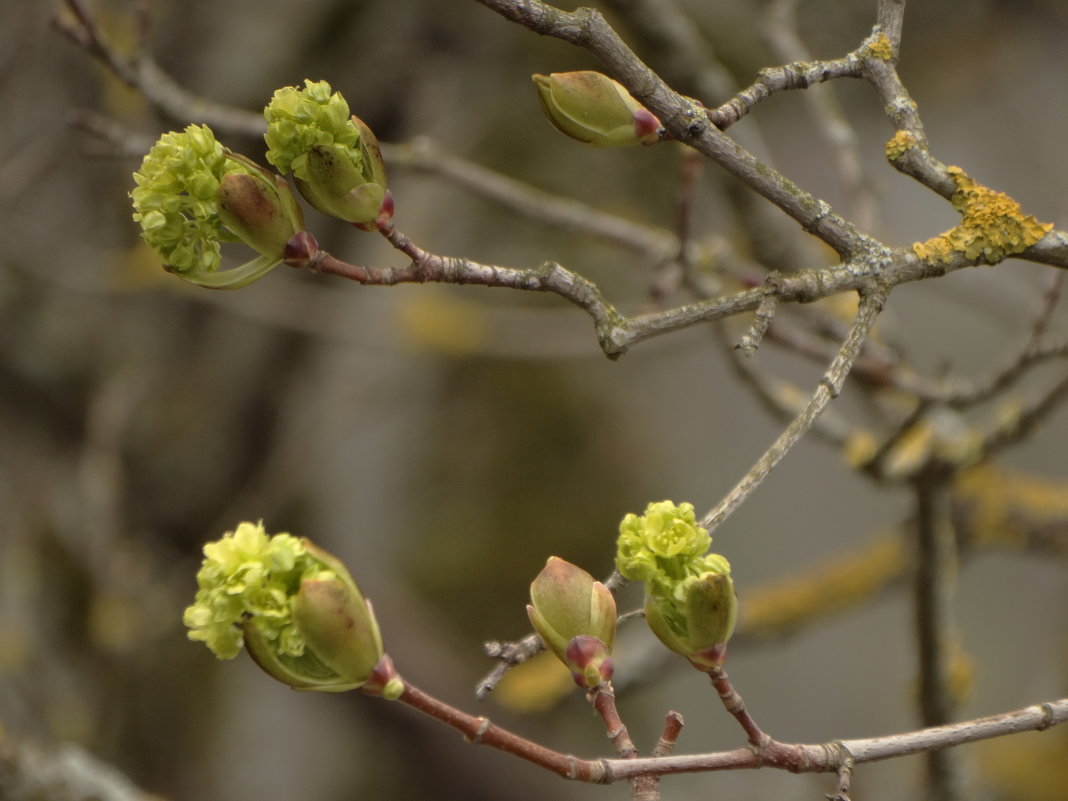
{"type": "Point", "coordinates": [690, 602]}
{"type": "Point", "coordinates": [334, 157]}
{"type": "Point", "coordinates": [192, 194]}
{"type": "Point", "coordinates": [295, 607]}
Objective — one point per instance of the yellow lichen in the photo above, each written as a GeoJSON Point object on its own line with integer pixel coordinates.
{"type": "Point", "coordinates": [880, 47]}
{"type": "Point", "coordinates": [1011, 509]}
{"type": "Point", "coordinates": [839, 584]}
{"type": "Point", "coordinates": [899, 145]}
{"type": "Point", "coordinates": [860, 448]}
{"type": "Point", "coordinates": [992, 226]}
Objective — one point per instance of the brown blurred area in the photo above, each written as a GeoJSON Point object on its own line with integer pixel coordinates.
{"type": "Point", "coordinates": [445, 441]}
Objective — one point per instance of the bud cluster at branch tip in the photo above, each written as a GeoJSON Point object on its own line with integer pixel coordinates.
{"type": "Point", "coordinates": [690, 603]}
{"type": "Point", "coordinates": [334, 157]}
{"type": "Point", "coordinates": [575, 617]}
{"type": "Point", "coordinates": [595, 109]}
{"type": "Point", "coordinates": [192, 194]}
{"type": "Point", "coordinates": [296, 609]}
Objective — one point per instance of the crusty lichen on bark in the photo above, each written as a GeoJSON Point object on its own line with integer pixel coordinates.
{"type": "Point", "coordinates": [899, 144]}
{"type": "Point", "coordinates": [992, 226]}
{"type": "Point", "coordinates": [880, 47]}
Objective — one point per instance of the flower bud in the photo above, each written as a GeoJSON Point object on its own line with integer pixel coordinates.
{"type": "Point", "coordinates": [294, 606]}
{"type": "Point", "coordinates": [259, 209]}
{"type": "Point", "coordinates": [334, 157]}
{"type": "Point", "coordinates": [568, 605]}
{"type": "Point", "coordinates": [595, 109]}
{"type": "Point", "coordinates": [192, 193]}
{"type": "Point", "coordinates": [700, 626]}
{"type": "Point", "coordinates": [690, 603]}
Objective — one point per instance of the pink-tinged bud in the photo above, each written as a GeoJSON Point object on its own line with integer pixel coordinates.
{"type": "Point", "coordinates": [259, 213]}
{"type": "Point", "coordinates": [301, 250]}
{"type": "Point", "coordinates": [567, 603]}
{"type": "Point", "coordinates": [595, 109]}
{"type": "Point", "coordinates": [589, 661]}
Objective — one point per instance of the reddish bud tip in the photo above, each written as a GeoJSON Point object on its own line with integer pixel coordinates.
{"type": "Point", "coordinates": [301, 249]}
{"type": "Point", "coordinates": [646, 126]}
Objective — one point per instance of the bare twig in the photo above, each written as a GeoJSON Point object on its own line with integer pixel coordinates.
{"type": "Point", "coordinates": [830, 120]}
{"type": "Point", "coordinates": [871, 304]}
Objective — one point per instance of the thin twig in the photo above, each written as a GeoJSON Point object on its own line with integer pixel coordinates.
{"type": "Point", "coordinates": [830, 386]}
{"type": "Point", "coordinates": [735, 704]}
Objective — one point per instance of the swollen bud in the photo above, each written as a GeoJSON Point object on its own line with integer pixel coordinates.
{"type": "Point", "coordinates": [699, 627]}
{"type": "Point", "coordinates": [593, 108]}
{"type": "Point", "coordinates": [575, 617]}
{"type": "Point", "coordinates": [260, 210]}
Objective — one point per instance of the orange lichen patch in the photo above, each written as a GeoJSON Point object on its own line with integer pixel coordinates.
{"type": "Point", "coordinates": [1013, 509]}
{"type": "Point", "coordinates": [835, 586]}
{"type": "Point", "coordinates": [899, 144]}
{"type": "Point", "coordinates": [992, 226]}
{"type": "Point", "coordinates": [880, 47]}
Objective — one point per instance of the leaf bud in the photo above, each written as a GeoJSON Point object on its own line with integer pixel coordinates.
{"type": "Point", "coordinates": [568, 605]}
{"type": "Point", "coordinates": [593, 108]}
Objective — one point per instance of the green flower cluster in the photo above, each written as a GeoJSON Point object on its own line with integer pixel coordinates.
{"type": "Point", "coordinates": [300, 119]}
{"type": "Point", "coordinates": [297, 610]}
{"type": "Point", "coordinates": [192, 194]}
{"type": "Point", "coordinates": [248, 575]}
{"type": "Point", "coordinates": [175, 198]}
{"type": "Point", "coordinates": [334, 157]}
{"type": "Point", "coordinates": [689, 596]}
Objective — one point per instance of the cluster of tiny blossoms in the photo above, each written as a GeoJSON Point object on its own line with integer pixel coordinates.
{"type": "Point", "coordinates": [247, 573]}
{"type": "Point", "coordinates": [299, 120]}
{"type": "Point", "coordinates": [665, 547]}
{"type": "Point", "coordinates": [175, 199]}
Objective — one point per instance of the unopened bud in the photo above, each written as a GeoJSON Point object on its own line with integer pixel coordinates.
{"type": "Point", "coordinates": [262, 215]}
{"type": "Point", "coordinates": [567, 605]}
{"type": "Point", "coordinates": [589, 660]}
{"type": "Point", "coordinates": [593, 108]}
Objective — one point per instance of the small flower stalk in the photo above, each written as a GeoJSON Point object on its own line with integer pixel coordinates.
{"type": "Point", "coordinates": [575, 616]}
{"type": "Point", "coordinates": [690, 602]}
{"type": "Point", "coordinates": [334, 157]}
{"type": "Point", "coordinates": [593, 108]}
{"type": "Point", "coordinates": [295, 608]}
{"type": "Point", "coordinates": [192, 194]}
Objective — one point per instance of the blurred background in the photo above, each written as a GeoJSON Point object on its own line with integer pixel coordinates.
{"type": "Point", "coordinates": [445, 441]}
